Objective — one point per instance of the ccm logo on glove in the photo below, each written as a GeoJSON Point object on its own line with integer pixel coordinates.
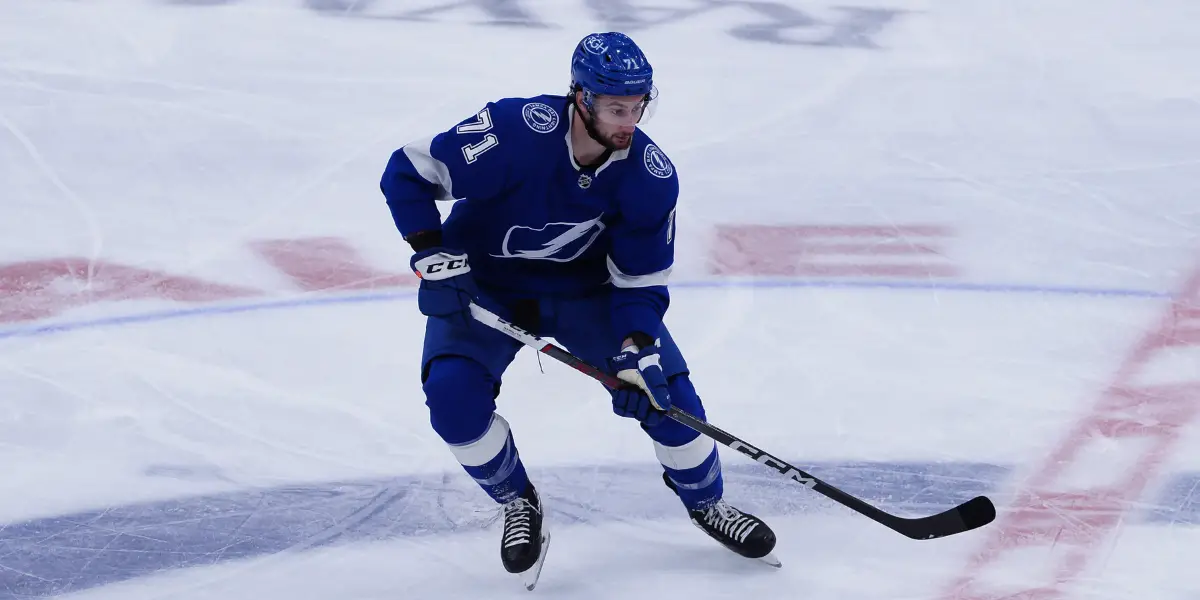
{"type": "Point", "coordinates": [441, 266]}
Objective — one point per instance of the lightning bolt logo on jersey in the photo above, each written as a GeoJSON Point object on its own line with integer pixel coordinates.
{"type": "Point", "coordinates": [559, 242]}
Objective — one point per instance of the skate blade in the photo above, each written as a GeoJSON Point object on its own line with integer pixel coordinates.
{"type": "Point", "coordinates": [531, 575]}
{"type": "Point", "coordinates": [771, 560]}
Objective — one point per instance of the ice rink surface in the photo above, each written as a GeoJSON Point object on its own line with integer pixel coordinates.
{"type": "Point", "coordinates": [209, 365]}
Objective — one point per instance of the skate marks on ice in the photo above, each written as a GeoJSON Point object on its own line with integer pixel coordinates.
{"type": "Point", "coordinates": [75, 552]}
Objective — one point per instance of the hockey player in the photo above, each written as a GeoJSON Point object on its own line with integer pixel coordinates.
{"type": "Point", "coordinates": [565, 226]}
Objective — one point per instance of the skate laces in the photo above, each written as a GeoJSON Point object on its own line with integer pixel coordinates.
{"type": "Point", "coordinates": [518, 521]}
{"type": "Point", "coordinates": [729, 521]}
{"type": "Point", "coordinates": [493, 512]}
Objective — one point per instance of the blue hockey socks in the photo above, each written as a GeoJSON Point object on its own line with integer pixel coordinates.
{"type": "Point", "coordinates": [493, 462]}
{"type": "Point", "coordinates": [690, 461]}
{"type": "Point", "coordinates": [694, 471]}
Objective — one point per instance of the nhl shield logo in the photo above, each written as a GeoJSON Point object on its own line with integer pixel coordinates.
{"type": "Point", "coordinates": [585, 180]}
{"type": "Point", "coordinates": [540, 117]}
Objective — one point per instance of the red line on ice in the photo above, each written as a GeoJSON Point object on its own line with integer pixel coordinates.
{"type": "Point", "coordinates": [327, 263]}
{"type": "Point", "coordinates": [1055, 525]}
{"type": "Point", "coordinates": [39, 289]}
{"type": "Point", "coordinates": [909, 250]}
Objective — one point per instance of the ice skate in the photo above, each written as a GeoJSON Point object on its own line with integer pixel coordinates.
{"type": "Point", "coordinates": [741, 532]}
{"type": "Point", "coordinates": [524, 542]}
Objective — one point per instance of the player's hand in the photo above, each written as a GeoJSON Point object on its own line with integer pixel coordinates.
{"type": "Point", "coordinates": [647, 398]}
{"type": "Point", "coordinates": [447, 288]}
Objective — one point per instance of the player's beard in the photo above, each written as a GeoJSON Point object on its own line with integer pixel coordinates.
{"type": "Point", "coordinates": [612, 141]}
{"type": "Point", "coordinates": [619, 141]}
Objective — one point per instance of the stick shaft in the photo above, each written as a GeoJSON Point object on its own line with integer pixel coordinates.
{"type": "Point", "coordinates": [955, 520]}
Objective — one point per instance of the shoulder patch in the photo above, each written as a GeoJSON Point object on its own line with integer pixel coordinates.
{"type": "Point", "coordinates": [657, 162]}
{"type": "Point", "coordinates": [540, 117]}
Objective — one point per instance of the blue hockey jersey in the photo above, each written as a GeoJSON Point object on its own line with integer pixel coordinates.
{"type": "Point", "coordinates": [532, 220]}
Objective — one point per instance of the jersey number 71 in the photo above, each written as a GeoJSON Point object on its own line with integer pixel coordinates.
{"type": "Point", "coordinates": [482, 123]}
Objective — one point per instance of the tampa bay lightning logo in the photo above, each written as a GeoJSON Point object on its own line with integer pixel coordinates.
{"type": "Point", "coordinates": [540, 117]}
{"type": "Point", "coordinates": [558, 242]}
{"type": "Point", "coordinates": [657, 162]}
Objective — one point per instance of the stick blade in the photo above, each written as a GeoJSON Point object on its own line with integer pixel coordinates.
{"type": "Point", "coordinates": [972, 514]}
{"type": "Point", "coordinates": [977, 512]}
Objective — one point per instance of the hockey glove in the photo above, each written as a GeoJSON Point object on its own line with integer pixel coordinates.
{"type": "Point", "coordinates": [447, 288]}
{"type": "Point", "coordinates": [647, 398]}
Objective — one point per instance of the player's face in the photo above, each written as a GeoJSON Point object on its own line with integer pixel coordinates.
{"type": "Point", "coordinates": [616, 117]}
{"type": "Point", "coordinates": [617, 137]}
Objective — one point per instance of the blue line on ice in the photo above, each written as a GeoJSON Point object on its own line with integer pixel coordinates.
{"type": "Point", "coordinates": [49, 328]}
{"type": "Point", "coordinates": [105, 545]}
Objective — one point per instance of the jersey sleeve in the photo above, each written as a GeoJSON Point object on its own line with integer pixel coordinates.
{"type": "Point", "coordinates": [462, 162]}
{"type": "Point", "coordinates": [642, 255]}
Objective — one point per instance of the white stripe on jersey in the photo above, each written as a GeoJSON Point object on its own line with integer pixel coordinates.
{"type": "Point", "coordinates": [429, 168]}
{"type": "Point", "coordinates": [622, 280]}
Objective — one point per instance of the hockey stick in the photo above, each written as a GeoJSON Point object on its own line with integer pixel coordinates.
{"type": "Point", "coordinates": [974, 513]}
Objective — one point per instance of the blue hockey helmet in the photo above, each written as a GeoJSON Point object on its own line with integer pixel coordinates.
{"type": "Point", "coordinates": [611, 64]}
